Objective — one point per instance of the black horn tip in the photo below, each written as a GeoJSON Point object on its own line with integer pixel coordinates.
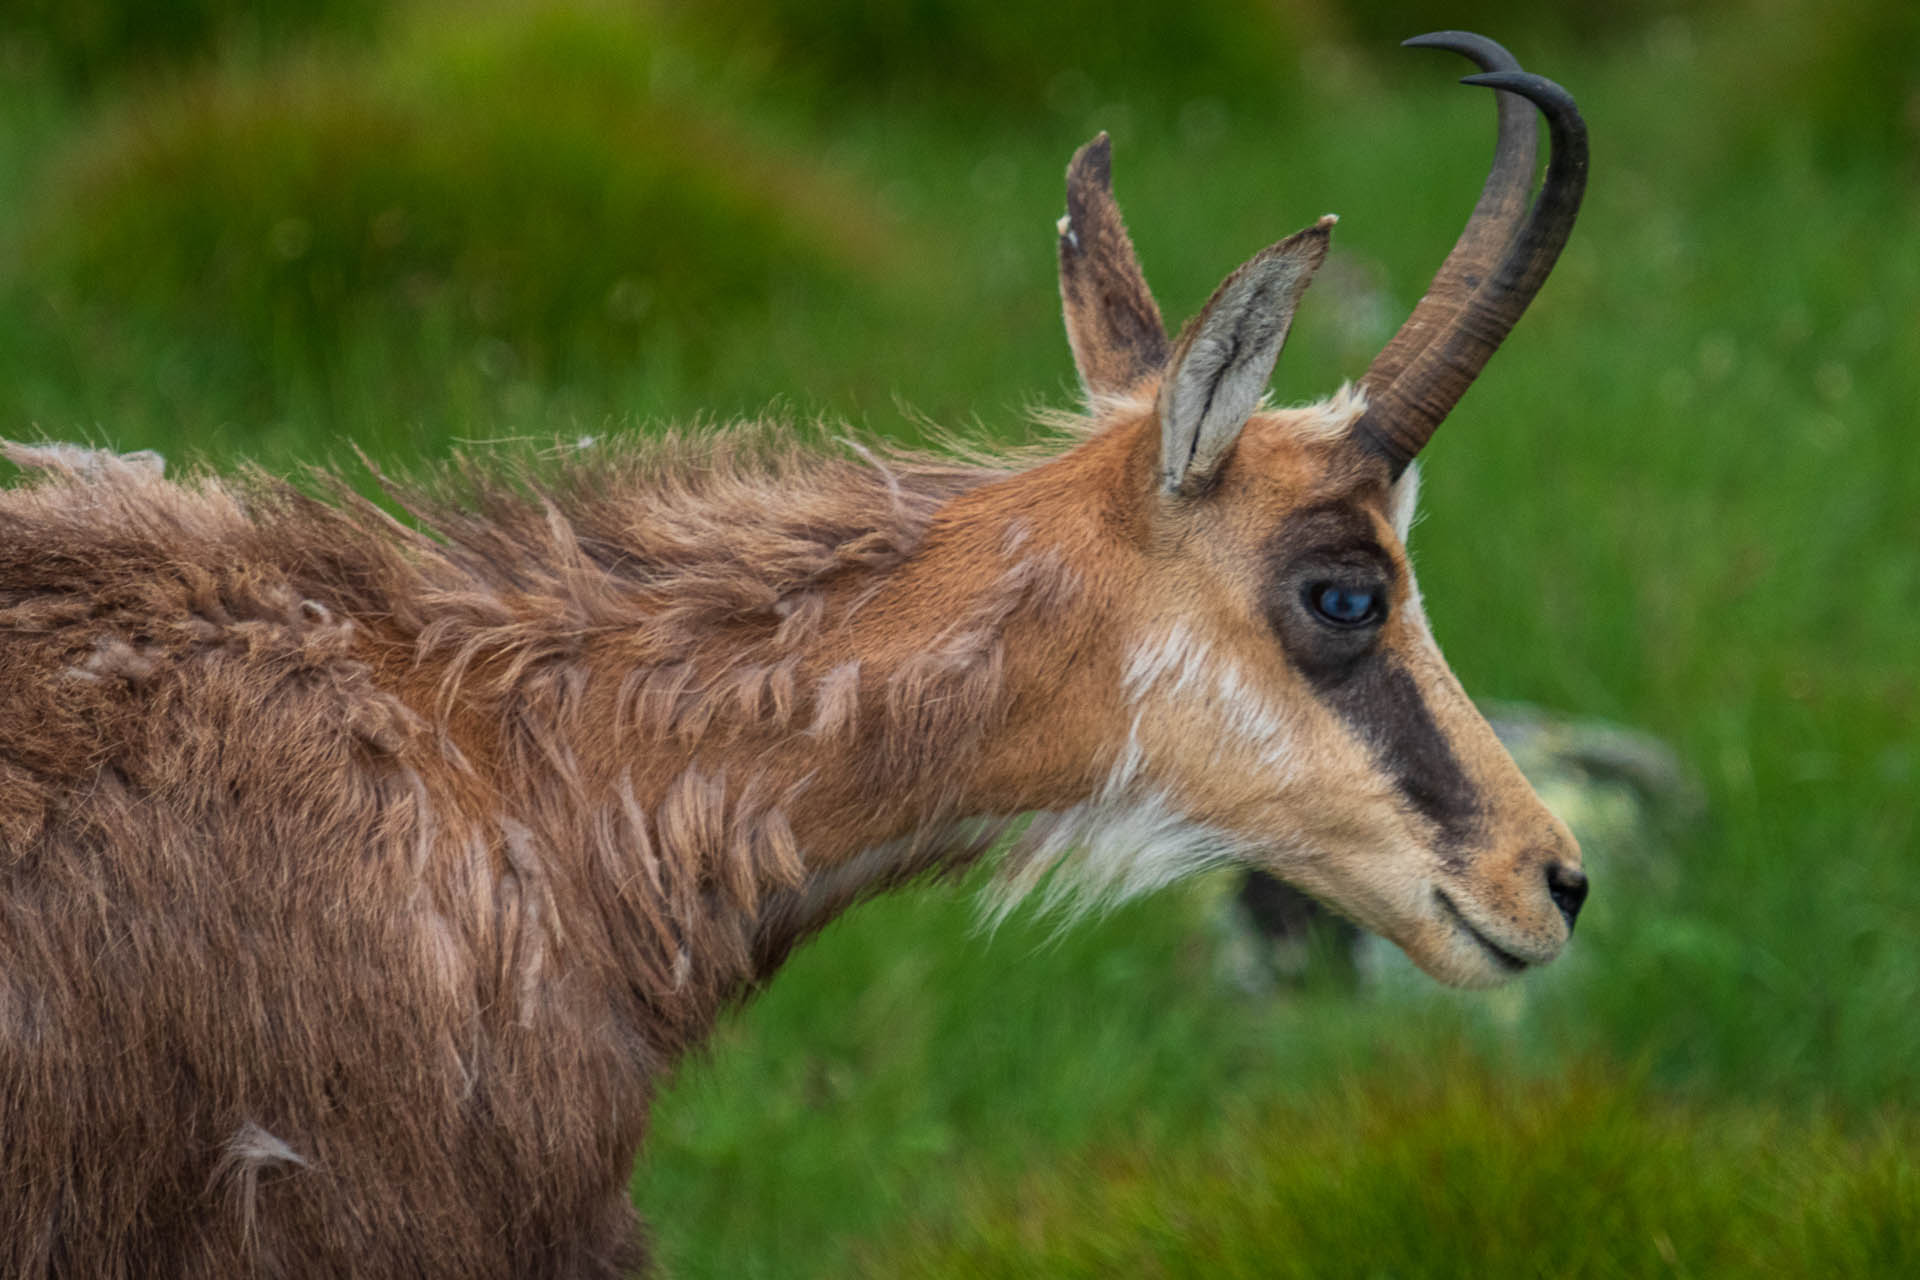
{"type": "Point", "coordinates": [1539, 90]}
{"type": "Point", "coordinates": [1490, 55]}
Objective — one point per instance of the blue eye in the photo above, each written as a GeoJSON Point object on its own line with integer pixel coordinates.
{"type": "Point", "coordinates": [1344, 606]}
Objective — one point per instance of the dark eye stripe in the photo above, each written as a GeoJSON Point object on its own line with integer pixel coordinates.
{"type": "Point", "coordinates": [1382, 704]}
{"type": "Point", "coordinates": [1362, 682]}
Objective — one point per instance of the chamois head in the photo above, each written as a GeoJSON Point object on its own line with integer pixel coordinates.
{"type": "Point", "coordinates": [1280, 681]}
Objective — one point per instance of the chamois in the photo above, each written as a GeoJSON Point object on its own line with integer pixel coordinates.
{"type": "Point", "coordinates": [359, 877]}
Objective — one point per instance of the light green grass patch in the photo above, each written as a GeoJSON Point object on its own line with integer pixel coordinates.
{"type": "Point", "coordinates": [1439, 1168]}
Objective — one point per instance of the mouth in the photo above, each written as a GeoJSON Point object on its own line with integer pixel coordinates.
{"type": "Point", "coordinates": [1495, 952]}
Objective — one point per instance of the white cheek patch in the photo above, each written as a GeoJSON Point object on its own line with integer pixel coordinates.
{"type": "Point", "coordinates": [1248, 717]}
{"type": "Point", "coordinates": [1095, 856]}
{"type": "Point", "coordinates": [1186, 672]}
{"type": "Point", "coordinates": [1403, 500]}
{"type": "Point", "coordinates": [1178, 657]}
{"type": "Point", "coordinates": [1134, 836]}
{"type": "Point", "coordinates": [1402, 503]}
{"type": "Point", "coordinates": [1127, 766]}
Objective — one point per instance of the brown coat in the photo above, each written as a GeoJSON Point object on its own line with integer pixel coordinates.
{"type": "Point", "coordinates": [358, 878]}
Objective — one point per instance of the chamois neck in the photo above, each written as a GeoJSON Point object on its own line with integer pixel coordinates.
{"type": "Point", "coordinates": [981, 673]}
{"type": "Point", "coordinates": [728, 714]}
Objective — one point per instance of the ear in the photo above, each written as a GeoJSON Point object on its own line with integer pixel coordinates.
{"type": "Point", "coordinates": [1225, 357]}
{"type": "Point", "coordinates": [1113, 325]}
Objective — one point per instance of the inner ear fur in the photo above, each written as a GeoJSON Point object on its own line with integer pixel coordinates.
{"type": "Point", "coordinates": [1113, 324]}
{"type": "Point", "coordinates": [1221, 365]}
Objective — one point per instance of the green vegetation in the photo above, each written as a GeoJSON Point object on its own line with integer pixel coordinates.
{"type": "Point", "coordinates": [351, 236]}
{"type": "Point", "coordinates": [1684, 498]}
{"type": "Point", "coordinates": [88, 43]}
{"type": "Point", "coordinates": [1442, 1169]}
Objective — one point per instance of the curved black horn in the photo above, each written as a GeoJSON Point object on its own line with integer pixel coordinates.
{"type": "Point", "coordinates": [1503, 202]}
{"type": "Point", "coordinates": [1401, 417]}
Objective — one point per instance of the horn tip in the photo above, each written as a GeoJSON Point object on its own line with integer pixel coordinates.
{"type": "Point", "coordinates": [1516, 80]}
{"type": "Point", "coordinates": [1491, 55]}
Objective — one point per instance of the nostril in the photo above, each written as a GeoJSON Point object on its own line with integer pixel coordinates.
{"type": "Point", "coordinates": [1568, 885]}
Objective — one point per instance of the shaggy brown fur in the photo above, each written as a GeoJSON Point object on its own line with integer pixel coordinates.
{"type": "Point", "coordinates": [296, 798]}
{"type": "Point", "coordinates": [358, 878]}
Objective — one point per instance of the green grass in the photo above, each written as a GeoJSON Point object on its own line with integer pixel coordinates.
{"type": "Point", "coordinates": [1683, 497]}
{"type": "Point", "coordinates": [1578, 1175]}
{"type": "Point", "coordinates": [345, 236]}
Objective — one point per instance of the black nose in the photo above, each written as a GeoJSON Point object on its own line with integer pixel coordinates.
{"type": "Point", "coordinates": [1568, 885]}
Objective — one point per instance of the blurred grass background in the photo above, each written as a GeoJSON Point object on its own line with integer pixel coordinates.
{"type": "Point", "coordinates": [1684, 498]}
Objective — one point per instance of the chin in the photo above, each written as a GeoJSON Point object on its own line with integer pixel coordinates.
{"type": "Point", "coordinates": [1459, 961]}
